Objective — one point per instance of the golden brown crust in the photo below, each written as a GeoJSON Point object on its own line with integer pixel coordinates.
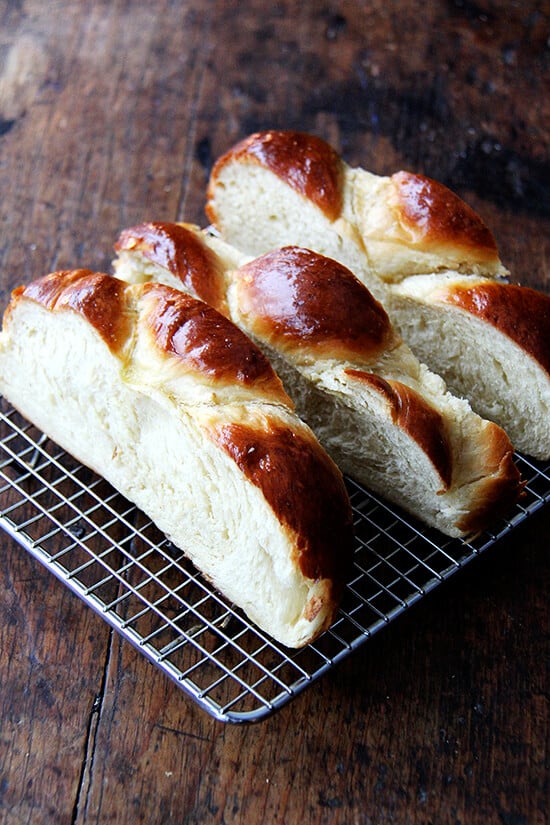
{"type": "Point", "coordinates": [521, 313]}
{"type": "Point", "coordinates": [304, 489]}
{"type": "Point", "coordinates": [314, 304]}
{"type": "Point", "coordinates": [435, 215]}
{"type": "Point", "coordinates": [179, 250]}
{"type": "Point", "coordinates": [417, 418]}
{"type": "Point", "coordinates": [307, 163]}
{"type": "Point", "coordinates": [205, 340]}
{"type": "Point", "coordinates": [500, 489]}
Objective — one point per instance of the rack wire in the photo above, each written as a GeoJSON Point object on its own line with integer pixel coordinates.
{"type": "Point", "coordinates": [115, 559]}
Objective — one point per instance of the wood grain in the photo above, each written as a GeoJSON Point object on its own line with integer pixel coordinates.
{"type": "Point", "coordinates": [112, 113]}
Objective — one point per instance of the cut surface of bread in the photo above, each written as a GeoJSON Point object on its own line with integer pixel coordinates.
{"type": "Point", "coordinates": [398, 234]}
{"type": "Point", "coordinates": [386, 420]}
{"type": "Point", "coordinates": [505, 367]}
{"type": "Point", "coordinates": [173, 405]}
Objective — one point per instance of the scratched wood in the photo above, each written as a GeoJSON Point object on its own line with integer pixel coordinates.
{"type": "Point", "coordinates": [112, 113]}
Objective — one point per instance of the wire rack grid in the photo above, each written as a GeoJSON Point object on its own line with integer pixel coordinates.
{"type": "Point", "coordinates": [114, 558]}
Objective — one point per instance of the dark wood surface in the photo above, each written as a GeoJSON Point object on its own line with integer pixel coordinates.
{"type": "Point", "coordinates": [111, 113]}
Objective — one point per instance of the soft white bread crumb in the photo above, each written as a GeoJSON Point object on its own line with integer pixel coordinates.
{"type": "Point", "coordinates": [497, 368]}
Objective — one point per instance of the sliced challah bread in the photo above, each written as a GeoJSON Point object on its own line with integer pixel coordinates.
{"type": "Point", "coordinates": [170, 402]}
{"type": "Point", "coordinates": [382, 415]}
{"type": "Point", "coordinates": [277, 188]}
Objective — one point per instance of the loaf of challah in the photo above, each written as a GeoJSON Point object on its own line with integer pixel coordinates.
{"type": "Point", "coordinates": [423, 252]}
{"type": "Point", "coordinates": [173, 405]}
{"type": "Point", "coordinates": [385, 419]}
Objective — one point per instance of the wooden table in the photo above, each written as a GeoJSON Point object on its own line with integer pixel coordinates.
{"type": "Point", "coordinates": [111, 113]}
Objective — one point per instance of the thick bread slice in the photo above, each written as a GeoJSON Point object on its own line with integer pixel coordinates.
{"type": "Point", "coordinates": [170, 402]}
{"type": "Point", "coordinates": [382, 415]}
{"type": "Point", "coordinates": [279, 188]}
{"type": "Point", "coordinates": [282, 187]}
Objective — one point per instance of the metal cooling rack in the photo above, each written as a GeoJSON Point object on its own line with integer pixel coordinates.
{"type": "Point", "coordinates": [114, 558]}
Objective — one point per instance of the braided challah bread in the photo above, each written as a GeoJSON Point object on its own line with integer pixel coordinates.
{"type": "Point", "coordinates": [424, 253]}
{"type": "Point", "coordinates": [382, 415]}
{"type": "Point", "coordinates": [172, 404]}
